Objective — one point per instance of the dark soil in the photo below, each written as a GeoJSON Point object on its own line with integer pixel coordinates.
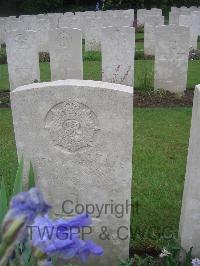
{"type": "Point", "coordinates": [144, 252]}
{"type": "Point", "coordinates": [152, 99]}
{"type": "Point", "coordinates": [141, 99]}
{"type": "Point", "coordinates": [4, 99]}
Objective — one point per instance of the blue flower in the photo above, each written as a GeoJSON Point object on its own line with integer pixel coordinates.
{"type": "Point", "coordinates": [196, 262]}
{"type": "Point", "coordinates": [61, 238]}
{"type": "Point", "coordinates": [25, 206]}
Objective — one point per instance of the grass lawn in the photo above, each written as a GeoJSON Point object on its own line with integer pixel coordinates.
{"type": "Point", "coordinates": [92, 70]}
{"type": "Point", "coordinates": [160, 150]}
{"type": "Point", "coordinates": [139, 36]}
{"type": "Point", "coordinates": [8, 156]}
{"type": "Point", "coordinates": [146, 68]}
{"type": "Point", "coordinates": [139, 46]}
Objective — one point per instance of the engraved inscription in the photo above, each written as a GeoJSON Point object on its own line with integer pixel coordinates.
{"type": "Point", "coordinates": [72, 125]}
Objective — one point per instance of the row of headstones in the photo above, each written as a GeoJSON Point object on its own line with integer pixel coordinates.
{"type": "Point", "coordinates": [171, 56]}
{"type": "Point", "coordinates": [89, 22]}
{"type": "Point", "coordinates": [65, 49]}
{"type": "Point", "coordinates": [153, 18]}
{"type": "Point", "coordinates": [177, 12]}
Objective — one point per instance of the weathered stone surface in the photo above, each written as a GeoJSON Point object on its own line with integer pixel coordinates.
{"type": "Point", "coordinates": [92, 34]}
{"type": "Point", "coordinates": [151, 22]}
{"type": "Point", "coordinates": [65, 47]}
{"type": "Point", "coordinates": [171, 58]}
{"type": "Point", "coordinates": [2, 30]}
{"type": "Point", "coordinates": [141, 16]}
{"type": "Point", "coordinates": [118, 66]}
{"type": "Point", "coordinates": [194, 8]}
{"type": "Point", "coordinates": [43, 27]}
{"type": "Point", "coordinates": [174, 17]}
{"type": "Point", "coordinates": [197, 13]}
{"type": "Point", "coordinates": [143, 13]}
{"type": "Point", "coordinates": [29, 22]}
{"type": "Point", "coordinates": [78, 135]}
{"type": "Point", "coordinates": [22, 57]}
{"type": "Point", "coordinates": [190, 215]}
{"type": "Point", "coordinates": [13, 25]}
{"type": "Point", "coordinates": [69, 21]}
{"type": "Point", "coordinates": [192, 22]}
{"type": "Point", "coordinates": [54, 20]}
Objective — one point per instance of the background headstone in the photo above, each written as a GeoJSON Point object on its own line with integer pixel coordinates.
{"type": "Point", "coordinates": [171, 58]}
{"type": "Point", "coordinates": [22, 58]}
{"type": "Point", "coordinates": [92, 34]}
{"type": "Point", "coordinates": [118, 65]}
{"type": "Point", "coordinates": [65, 47]}
{"type": "Point", "coordinates": [43, 27]}
{"type": "Point", "coordinates": [192, 22]}
{"type": "Point", "coordinates": [151, 22]}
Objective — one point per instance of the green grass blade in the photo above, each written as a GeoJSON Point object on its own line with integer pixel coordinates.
{"type": "Point", "coordinates": [18, 179]}
{"type": "Point", "coordinates": [31, 177]}
{"type": "Point", "coordinates": [3, 201]}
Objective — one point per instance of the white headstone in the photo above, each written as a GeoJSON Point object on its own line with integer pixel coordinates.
{"type": "Point", "coordinates": [118, 65]}
{"type": "Point", "coordinates": [174, 17]}
{"type": "Point", "coordinates": [69, 21]}
{"type": "Point", "coordinates": [92, 33]}
{"type": "Point", "coordinates": [192, 22]}
{"type": "Point", "coordinates": [78, 136]}
{"type": "Point", "coordinates": [54, 20]}
{"type": "Point", "coordinates": [43, 27]}
{"type": "Point", "coordinates": [174, 8]}
{"type": "Point", "coordinates": [2, 30]}
{"type": "Point", "coordinates": [22, 58]}
{"type": "Point", "coordinates": [189, 223]}
{"type": "Point", "coordinates": [197, 13]}
{"type": "Point", "coordinates": [13, 25]}
{"type": "Point", "coordinates": [151, 22]}
{"type": "Point", "coordinates": [171, 58]}
{"type": "Point", "coordinates": [193, 8]}
{"type": "Point", "coordinates": [65, 47]}
{"type": "Point", "coordinates": [29, 22]}
{"type": "Point", "coordinates": [141, 16]}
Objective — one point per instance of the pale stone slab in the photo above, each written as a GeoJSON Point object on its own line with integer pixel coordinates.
{"type": "Point", "coordinates": [143, 13]}
{"type": "Point", "coordinates": [197, 13]}
{"type": "Point", "coordinates": [141, 16]}
{"type": "Point", "coordinates": [174, 17]}
{"type": "Point", "coordinates": [2, 30]}
{"type": "Point", "coordinates": [22, 57]}
{"type": "Point", "coordinates": [43, 27]}
{"type": "Point", "coordinates": [54, 20]}
{"type": "Point", "coordinates": [171, 58]}
{"type": "Point", "coordinates": [92, 34]}
{"type": "Point", "coordinates": [193, 8]}
{"type": "Point", "coordinates": [151, 22]}
{"type": "Point", "coordinates": [78, 136]}
{"type": "Point", "coordinates": [174, 8]}
{"type": "Point", "coordinates": [118, 65]}
{"type": "Point", "coordinates": [65, 47]}
{"type": "Point", "coordinates": [13, 25]}
{"type": "Point", "coordinates": [69, 21]}
{"type": "Point", "coordinates": [29, 22]}
{"type": "Point", "coordinates": [192, 22]}
{"type": "Point", "coordinates": [190, 216]}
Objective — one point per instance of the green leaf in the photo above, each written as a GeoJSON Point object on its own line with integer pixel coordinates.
{"type": "Point", "coordinates": [31, 177]}
{"type": "Point", "coordinates": [3, 201]}
{"type": "Point", "coordinates": [18, 179]}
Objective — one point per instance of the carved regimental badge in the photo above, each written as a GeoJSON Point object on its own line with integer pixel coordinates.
{"type": "Point", "coordinates": [72, 125]}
